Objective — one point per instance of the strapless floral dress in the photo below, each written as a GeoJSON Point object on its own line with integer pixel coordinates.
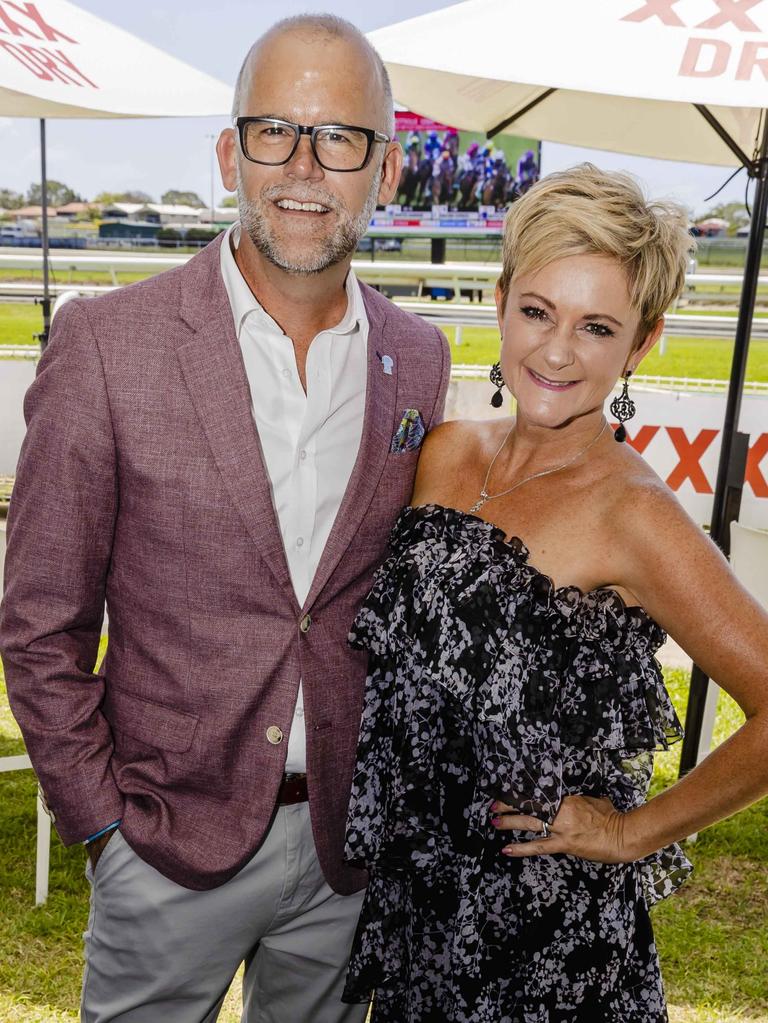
{"type": "Point", "coordinates": [487, 682]}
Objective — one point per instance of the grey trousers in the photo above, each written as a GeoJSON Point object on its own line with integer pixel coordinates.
{"type": "Point", "coordinates": [159, 953]}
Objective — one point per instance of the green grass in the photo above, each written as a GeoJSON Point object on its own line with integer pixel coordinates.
{"type": "Point", "coordinates": [702, 358]}
{"type": "Point", "coordinates": [19, 322]}
{"type": "Point", "coordinates": [713, 935]}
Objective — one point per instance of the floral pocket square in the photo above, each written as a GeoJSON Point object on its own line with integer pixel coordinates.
{"type": "Point", "coordinates": [409, 434]}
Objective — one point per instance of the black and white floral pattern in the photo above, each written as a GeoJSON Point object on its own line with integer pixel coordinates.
{"type": "Point", "coordinates": [486, 682]}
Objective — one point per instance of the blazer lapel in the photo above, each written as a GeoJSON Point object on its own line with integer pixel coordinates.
{"type": "Point", "coordinates": [380, 400]}
{"type": "Point", "coordinates": [215, 376]}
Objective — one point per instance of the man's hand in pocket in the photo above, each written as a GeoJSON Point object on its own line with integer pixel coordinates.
{"type": "Point", "coordinates": [97, 847]}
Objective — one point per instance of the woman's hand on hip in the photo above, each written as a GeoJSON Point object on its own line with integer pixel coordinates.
{"type": "Point", "coordinates": [590, 828]}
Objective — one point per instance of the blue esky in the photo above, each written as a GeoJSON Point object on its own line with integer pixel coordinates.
{"type": "Point", "coordinates": [95, 156]}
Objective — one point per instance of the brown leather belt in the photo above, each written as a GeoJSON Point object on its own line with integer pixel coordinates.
{"type": "Point", "coordinates": [293, 789]}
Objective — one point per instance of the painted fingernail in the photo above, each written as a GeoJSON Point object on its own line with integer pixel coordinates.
{"type": "Point", "coordinates": [496, 822]}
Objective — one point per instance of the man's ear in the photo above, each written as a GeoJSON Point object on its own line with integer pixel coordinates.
{"type": "Point", "coordinates": [390, 173]}
{"type": "Point", "coordinates": [226, 151]}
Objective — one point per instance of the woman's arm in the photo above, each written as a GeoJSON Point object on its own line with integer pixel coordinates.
{"type": "Point", "coordinates": [686, 585]}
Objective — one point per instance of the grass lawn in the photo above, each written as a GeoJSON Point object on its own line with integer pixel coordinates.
{"type": "Point", "coordinates": [19, 322]}
{"type": "Point", "coordinates": [705, 358]}
{"type": "Point", "coordinates": [702, 358]}
{"type": "Point", "coordinates": [713, 935]}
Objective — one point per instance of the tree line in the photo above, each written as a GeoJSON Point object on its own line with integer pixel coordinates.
{"type": "Point", "coordinates": [60, 194]}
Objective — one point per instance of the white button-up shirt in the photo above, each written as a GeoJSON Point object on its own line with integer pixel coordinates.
{"type": "Point", "coordinates": [309, 440]}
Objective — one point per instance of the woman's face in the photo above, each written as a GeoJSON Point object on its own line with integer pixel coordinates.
{"type": "Point", "coordinates": [568, 334]}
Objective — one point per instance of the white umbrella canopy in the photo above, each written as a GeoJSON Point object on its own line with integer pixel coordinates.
{"type": "Point", "coordinates": [628, 74]}
{"type": "Point", "coordinates": [673, 79]}
{"type": "Point", "coordinates": [57, 60]}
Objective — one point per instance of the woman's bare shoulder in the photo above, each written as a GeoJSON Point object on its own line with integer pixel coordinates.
{"type": "Point", "coordinates": [641, 508]}
{"type": "Point", "coordinates": [448, 450]}
{"type": "Point", "coordinates": [464, 431]}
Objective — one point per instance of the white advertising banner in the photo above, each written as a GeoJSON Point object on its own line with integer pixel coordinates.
{"type": "Point", "coordinates": [678, 433]}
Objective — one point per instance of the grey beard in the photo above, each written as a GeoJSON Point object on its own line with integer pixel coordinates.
{"type": "Point", "coordinates": [343, 241]}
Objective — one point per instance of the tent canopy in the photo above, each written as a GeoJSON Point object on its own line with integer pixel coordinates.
{"type": "Point", "coordinates": [57, 60]}
{"type": "Point", "coordinates": [627, 74]}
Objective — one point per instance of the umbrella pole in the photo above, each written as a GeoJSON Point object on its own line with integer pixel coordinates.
{"type": "Point", "coordinates": [728, 490]}
{"type": "Point", "coordinates": [44, 200]}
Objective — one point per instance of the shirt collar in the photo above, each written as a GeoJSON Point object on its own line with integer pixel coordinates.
{"type": "Point", "coordinates": [244, 303]}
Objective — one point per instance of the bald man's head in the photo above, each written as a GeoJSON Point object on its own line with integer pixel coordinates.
{"type": "Point", "coordinates": [321, 28]}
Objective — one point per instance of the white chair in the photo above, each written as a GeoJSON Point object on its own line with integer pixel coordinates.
{"type": "Point", "coordinates": [22, 763]}
{"type": "Point", "coordinates": [42, 867]}
{"type": "Point", "coordinates": [749, 560]}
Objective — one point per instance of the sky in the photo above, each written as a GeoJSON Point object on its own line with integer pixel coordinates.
{"type": "Point", "coordinates": [153, 156]}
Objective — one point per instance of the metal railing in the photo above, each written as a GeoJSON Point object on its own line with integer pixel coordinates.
{"type": "Point", "coordinates": [474, 278]}
{"type": "Point", "coordinates": [478, 275]}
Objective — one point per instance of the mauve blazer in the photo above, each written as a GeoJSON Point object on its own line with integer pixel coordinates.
{"type": "Point", "coordinates": [141, 482]}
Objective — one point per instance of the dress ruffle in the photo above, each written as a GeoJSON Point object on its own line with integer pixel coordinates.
{"type": "Point", "coordinates": [486, 681]}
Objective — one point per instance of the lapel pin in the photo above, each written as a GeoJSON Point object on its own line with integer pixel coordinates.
{"type": "Point", "coordinates": [387, 363]}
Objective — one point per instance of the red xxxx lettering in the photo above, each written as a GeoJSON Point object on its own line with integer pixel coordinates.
{"type": "Point", "coordinates": [690, 453]}
{"type": "Point", "coordinates": [753, 476]}
{"type": "Point", "coordinates": [733, 11]}
{"type": "Point", "coordinates": [31, 13]}
{"type": "Point", "coordinates": [642, 438]}
{"type": "Point", "coordinates": [661, 9]}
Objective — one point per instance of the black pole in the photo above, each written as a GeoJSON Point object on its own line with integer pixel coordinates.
{"type": "Point", "coordinates": [743, 332]}
{"type": "Point", "coordinates": [725, 500]}
{"type": "Point", "coordinates": [44, 200]}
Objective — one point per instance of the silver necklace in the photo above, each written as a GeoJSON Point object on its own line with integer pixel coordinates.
{"type": "Point", "coordinates": [485, 496]}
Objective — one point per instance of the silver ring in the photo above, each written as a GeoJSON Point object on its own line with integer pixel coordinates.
{"type": "Point", "coordinates": [545, 832]}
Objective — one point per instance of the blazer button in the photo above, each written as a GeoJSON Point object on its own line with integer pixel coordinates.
{"type": "Point", "coordinates": [305, 623]}
{"type": "Point", "coordinates": [274, 735]}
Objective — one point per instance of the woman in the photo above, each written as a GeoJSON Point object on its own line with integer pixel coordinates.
{"type": "Point", "coordinates": [514, 702]}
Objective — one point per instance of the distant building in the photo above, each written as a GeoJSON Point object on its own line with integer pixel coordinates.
{"type": "Point", "coordinates": [169, 214]}
{"type": "Point", "coordinates": [221, 214]}
{"type": "Point", "coordinates": [122, 211]}
{"type": "Point", "coordinates": [165, 214]}
{"type": "Point", "coordinates": [31, 213]}
{"type": "Point", "coordinates": [128, 229]}
{"type": "Point", "coordinates": [76, 210]}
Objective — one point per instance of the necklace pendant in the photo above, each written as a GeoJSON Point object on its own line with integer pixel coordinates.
{"type": "Point", "coordinates": [479, 504]}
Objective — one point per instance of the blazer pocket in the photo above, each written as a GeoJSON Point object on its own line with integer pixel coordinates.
{"type": "Point", "coordinates": [151, 723]}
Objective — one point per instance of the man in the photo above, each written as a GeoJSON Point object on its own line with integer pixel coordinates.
{"type": "Point", "coordinates": [220, 452]}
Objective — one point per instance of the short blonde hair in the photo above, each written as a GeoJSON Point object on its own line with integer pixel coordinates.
{"type": "Point", "coordinates": [587, 211]}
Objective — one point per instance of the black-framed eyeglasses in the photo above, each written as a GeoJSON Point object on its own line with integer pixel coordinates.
{"type": "Point", "coordinates": [337, 147]}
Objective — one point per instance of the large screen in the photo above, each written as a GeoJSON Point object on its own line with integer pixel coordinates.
{"type": "Point", "coordinates": [462, 170]}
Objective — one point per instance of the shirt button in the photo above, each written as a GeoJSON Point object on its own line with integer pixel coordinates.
{"type": "Point", "coordinates": [305, 623]}
{"type": "Point", "coordinates": [286, 373]}
{"type": "Point", "coordinates": [274, 735]}
{"type": "Point", "coordinates": [302, 454]}
{"type": "Point", "coordinates": [300, 542]}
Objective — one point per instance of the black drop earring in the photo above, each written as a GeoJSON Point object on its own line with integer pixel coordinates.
{"type": "Point", "coordinates": [623, 408]}
{"type": "Point", "coordinates": [498, 382]}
